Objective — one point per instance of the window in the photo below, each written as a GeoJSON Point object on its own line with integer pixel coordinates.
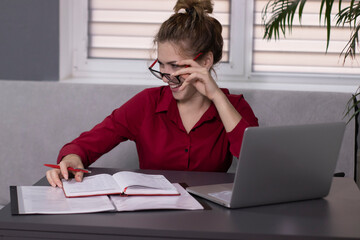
{"type": "Point", "coordinates": [115, 43]}
{"type": "Point", "coordinates": [91, 50]}
{"type": "Point", "coordinates": [125, 29]}
{"type": "Point", "coordinates": [303, 50]}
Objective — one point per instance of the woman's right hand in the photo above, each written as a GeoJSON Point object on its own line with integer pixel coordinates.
{"type": "Point", "coordinates": [54, 175]}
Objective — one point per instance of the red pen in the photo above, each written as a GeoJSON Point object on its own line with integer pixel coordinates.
{"type": "Point", "coordinates": [69, 168]}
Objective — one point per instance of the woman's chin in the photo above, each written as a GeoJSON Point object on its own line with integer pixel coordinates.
{"type": "Point", "coordinates": [177, 94]}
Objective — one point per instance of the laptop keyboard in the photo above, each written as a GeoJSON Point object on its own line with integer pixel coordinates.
{"type": "Point", "coordinates": [223, 195]}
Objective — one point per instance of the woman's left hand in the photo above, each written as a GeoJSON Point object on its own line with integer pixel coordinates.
{"type": "Point", "coordinates": [199, 77]}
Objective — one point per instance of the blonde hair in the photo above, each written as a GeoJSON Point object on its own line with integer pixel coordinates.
{"type": "Point", "coordinates": [193, 29]}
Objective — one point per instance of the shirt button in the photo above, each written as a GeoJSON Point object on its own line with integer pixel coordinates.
{"type": "Point", "coordinates": [186, 150]}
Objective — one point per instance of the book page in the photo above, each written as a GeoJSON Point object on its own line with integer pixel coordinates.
{"type": "Point", "coordinates": [100, 184]}
{"type": "Point", "coordinates": [143, 184]}
{"type": "Point", "coordinates": [135, 203]}
{"type": "Point", "coordinates": [50, 200]}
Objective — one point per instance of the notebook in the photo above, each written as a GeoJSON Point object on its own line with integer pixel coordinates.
{"type": "Point", "coordinates": [280, 164]}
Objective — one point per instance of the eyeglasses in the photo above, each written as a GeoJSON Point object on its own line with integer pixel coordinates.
{"type": "Point", "coordinates": [172, 79]}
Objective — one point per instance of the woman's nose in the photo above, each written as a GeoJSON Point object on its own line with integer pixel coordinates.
{"type": "Point", "coordinates": [166, 69]}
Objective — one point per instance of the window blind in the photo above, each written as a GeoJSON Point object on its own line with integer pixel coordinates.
{"type": "Point", "coordinates": [303, 50]}
{"type": "Point", "coordinates": [123, 29]}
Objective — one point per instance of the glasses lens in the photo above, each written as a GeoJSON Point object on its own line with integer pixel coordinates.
{"type": "Point", "coordinates": [156, 73]}
{"type": "Point", "coordinates": [172, 79]}
{"type": "Point", "coordinates": [161, 75]}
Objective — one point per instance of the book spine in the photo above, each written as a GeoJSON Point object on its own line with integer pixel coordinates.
{"type": "Point", "coordinates": [14, 200]}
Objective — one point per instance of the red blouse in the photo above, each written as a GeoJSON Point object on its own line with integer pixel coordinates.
{"type": "Point", "coordinates": [151, 119]}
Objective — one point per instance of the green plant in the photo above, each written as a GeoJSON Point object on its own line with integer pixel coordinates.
{"type": "Point", "coordinates": [282, 13]}
{"type": "Point", "coordinates": [352, 105]}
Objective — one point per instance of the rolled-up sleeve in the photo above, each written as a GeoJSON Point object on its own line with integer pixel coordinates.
{"type": "Point", "coordinates": [248, 119]}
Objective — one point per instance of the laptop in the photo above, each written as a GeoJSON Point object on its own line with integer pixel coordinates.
{"type": "Point", "coordinates": [280, 164]}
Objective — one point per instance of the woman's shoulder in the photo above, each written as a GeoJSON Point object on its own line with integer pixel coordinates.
{"type": "Point", "coordinates": [146, 100]}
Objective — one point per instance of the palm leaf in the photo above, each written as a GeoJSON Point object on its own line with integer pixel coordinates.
{"type": "Point", "coordinates": [349, 16]}
{"type": "Point", "coordinates": [352, 106]}
{"type": "Point", "coordinates": [327, 18]}
{"type": "Point", "coordinates": [352, 45]}
{"type": "Point", "coordinates": [283, 12]}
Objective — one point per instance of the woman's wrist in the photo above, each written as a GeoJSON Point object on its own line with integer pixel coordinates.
{"type": "Point", "coordinates": [218, 97]}
{"type": "Point", "coordinates": [228, 114]}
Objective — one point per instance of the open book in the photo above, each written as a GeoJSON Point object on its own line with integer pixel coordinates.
{"type": "Point", "coordinates": [50, 200]}
{"type": "Point", "coordinates": [123, 183]}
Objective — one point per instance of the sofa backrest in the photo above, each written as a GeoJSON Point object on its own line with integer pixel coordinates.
{"type": "Point", "coordinates": [38, 118]}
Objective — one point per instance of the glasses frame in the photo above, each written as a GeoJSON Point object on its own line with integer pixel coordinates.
{"type": "Point", "coordinates": [168, 75]}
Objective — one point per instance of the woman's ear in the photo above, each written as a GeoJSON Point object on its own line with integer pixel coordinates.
{"type": "Point", "coordinates": [208, 60]}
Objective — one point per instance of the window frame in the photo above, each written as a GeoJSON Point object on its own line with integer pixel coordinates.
{"type": "Point", "coordinates": [136, 70]}
{"type": "Point", "coordinates": [75, 67]}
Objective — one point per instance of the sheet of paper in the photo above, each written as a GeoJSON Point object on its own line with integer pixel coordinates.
{"type": "Point", "coordinates": [91, 185]}
{"type": "Point", "coordinates": [134, 203]}
{"type": "Point", "coordinates": [143, 183]}
{"type": "Point", "coordinates": [50, 200]}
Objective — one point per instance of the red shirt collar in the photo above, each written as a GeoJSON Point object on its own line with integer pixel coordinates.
{"type": "Point", "coordinates": [166, 98]}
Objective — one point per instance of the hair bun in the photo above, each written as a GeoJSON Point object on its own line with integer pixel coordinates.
{"type": "Point", "coordinates": [201, 7]}
{"type": "Point", "coordinates": [189, 10]}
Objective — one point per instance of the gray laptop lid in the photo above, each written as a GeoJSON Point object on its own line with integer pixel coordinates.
{"type": "Point", "coordinates": [281, 164]}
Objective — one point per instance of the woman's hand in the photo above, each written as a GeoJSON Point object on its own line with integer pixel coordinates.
{"type": "Point", "coordinates": [54, 175]}
{"type": "Point", "coordinates": [200, 77]}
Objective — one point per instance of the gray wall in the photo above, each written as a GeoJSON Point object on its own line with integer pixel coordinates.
{"type": "Point", "coordinates": [29, 40]}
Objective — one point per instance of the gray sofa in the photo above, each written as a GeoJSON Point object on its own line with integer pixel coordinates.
{"type": "Point", "coordinates": [38, 118]}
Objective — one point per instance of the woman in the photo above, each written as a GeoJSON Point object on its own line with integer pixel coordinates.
{"type": "Point", "coordinates": [190, 124]}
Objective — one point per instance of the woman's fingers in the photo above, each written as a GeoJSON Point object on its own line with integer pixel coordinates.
{"type": "Point", "coordinates": [64, 168]}
{"type": "Point", "coordinates": [73, 161]}
{"type": "Point", "coordinates": [79, 176]}
{"type": "Point", "coordinates": [53, 177]}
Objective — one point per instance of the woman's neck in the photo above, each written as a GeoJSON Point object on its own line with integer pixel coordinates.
{"type": "Point", "coordinates": [192, 110]}
{"type": "Point", "coordinates": [196, 103]}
